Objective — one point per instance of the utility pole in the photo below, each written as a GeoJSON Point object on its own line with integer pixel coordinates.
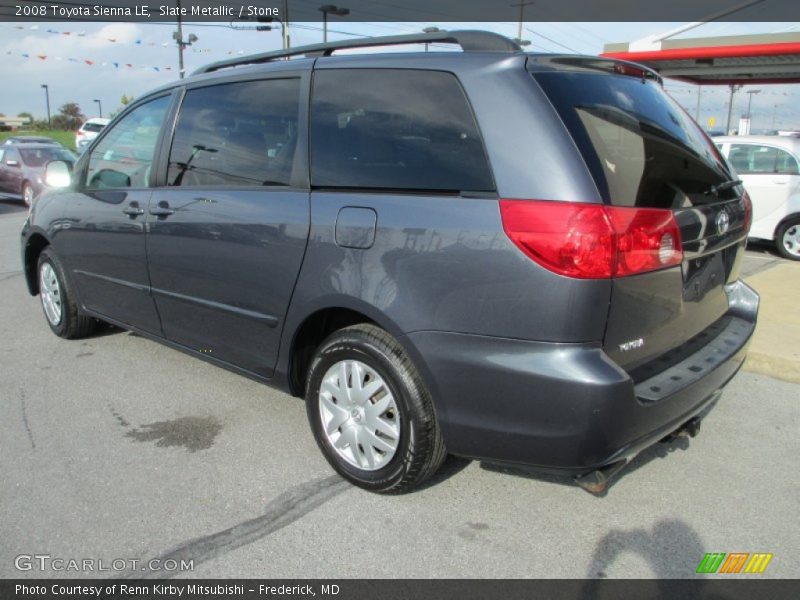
{"type": "Point", "coordinates": [178, 37]}
{"type": "Point", "coordinates": [285, 27]}
{"type": "Point", "coordinates": [47, 97]}
{"type": "Point", "coordinates": [734, 89]}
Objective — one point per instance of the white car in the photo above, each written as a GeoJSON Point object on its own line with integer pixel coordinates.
{"type": "Point", "coordinates": [88, 131]}
{"type": "Point", "coordinates": [770, 169]}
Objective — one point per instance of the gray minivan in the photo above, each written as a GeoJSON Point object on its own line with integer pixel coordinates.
{"type": "Point", "coordinates": [520, 258]}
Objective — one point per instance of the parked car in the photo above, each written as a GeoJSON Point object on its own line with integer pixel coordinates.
{"type": "Point", "coordinates": [88, 131]}
{"type": "Point", "coordinates": [30, 139]}
{"type": "Point", "coordinates": [22, 167]}
{"type": "Point", "coordinates": [769, 168]}
{"type": "Point", "coordinates": [527, 259]}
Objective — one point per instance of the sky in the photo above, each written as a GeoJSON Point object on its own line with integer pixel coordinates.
{"type": "Point", "coordinates": [152, 52]}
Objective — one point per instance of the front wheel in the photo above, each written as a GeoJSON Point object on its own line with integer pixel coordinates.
{"type": "Point", "coordinates": [27, 193]}
{"type": "Point", "coordinates": [58, 300]}
{"type": "Point", "coordinates": [371, 413]}
{"type": "Point", "coordinates": [788, 239]}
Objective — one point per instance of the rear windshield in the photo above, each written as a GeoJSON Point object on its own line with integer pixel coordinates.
{"type": "Point", "coordinates": [93, 127]}
{"type": "Point", "coordinates": [640, 146]}
{"type": "Point", "coordinates": [36, 157]}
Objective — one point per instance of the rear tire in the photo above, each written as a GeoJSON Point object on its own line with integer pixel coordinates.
{"type": "Point", "coordinates": [370, 412]}
{"type": "Point", "coordinates": [787, 240]}
{"type": "Point", "coordinates": [58, 300]}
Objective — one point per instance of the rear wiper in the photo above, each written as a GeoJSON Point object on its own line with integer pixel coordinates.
{"type": "Point", "coordinates": [724, 186]}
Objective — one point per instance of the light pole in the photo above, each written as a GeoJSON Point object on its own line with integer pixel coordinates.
{"type": "Point", "coordinates": [429, 30]}
{"type": "Point", "coordinates": [750, 100]}
{"type": "Point", "coordinates": [100, 107]}
{"type": "Point", "coordinates": [330, 9]}
{"type": "Point", "coordinates": [522, 6]}
{"type": "Point", "coordinates": [178, 37]}
{"type": "Point", "coordinates": [47, 97]}
{"type": "Point", "coordinates": [697, 110]}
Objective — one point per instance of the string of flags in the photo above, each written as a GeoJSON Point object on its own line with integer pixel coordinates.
{"type": "Point", "coordinates": [135, 42]}
{"type": "Point", "coordinates": [88, 62]}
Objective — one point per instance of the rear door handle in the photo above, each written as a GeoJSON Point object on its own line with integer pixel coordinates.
{"type": "Point", "coordinates": [161, 210]}
{"type": "Point", "coordinates": [133, 210]}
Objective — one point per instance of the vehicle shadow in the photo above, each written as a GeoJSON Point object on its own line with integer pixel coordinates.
{"type": "Point", "coordinates": [654, 452]}
{"type": "Point", "coordinates": [10, 205]}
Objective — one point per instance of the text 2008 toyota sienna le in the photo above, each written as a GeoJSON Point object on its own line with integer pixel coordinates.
{"type": "Point", "coordinates": [528, 259]}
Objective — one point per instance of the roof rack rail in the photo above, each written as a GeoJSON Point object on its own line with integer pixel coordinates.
{"type": "Point", "coordinates": [469, 40]}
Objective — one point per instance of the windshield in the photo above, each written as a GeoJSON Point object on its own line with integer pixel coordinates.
{"type": "Point", "coordinates": [639, 144]}
{"type": "Point", "coordinates": [93, 127]}
{"type": "Point", "coordinates": [37, 157]}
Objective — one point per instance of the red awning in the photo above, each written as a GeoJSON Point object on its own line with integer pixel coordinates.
{"type": "Point", "coordinates": [750, 59]}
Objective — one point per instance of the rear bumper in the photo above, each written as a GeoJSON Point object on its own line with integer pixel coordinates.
{"type": "Point", "coordinates": [568, 407]}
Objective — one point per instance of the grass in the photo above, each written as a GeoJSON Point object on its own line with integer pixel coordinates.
{"type": "Point", "coordinates": [66, 138]}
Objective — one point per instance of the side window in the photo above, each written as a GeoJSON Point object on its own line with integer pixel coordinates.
{"type": "Point", "coordinates": [394, 129]}
{"type": "Point", "coordinates": [238, 134]}
{"type": "Point", "coordinates": [752, 158]}
{"type": "Point", "coordinates": [125, 155]}
{"type": "Point", "coordinates": [786, 164]}
{"type": "Point", "coordinates": [11, 154]}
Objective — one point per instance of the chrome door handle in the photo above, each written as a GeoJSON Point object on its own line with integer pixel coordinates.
{"type": "Point", "coordinates": [133, 210]}
{"type": "Point", "coordinates": [162, 210]}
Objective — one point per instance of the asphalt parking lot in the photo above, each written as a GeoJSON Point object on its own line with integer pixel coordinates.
{"type": "Point", "coordinates": [116, 447]}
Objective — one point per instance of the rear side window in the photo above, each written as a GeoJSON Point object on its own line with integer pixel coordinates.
{"type": "Point", "coordinates": [640, 146]}
{"type": "Point", "coordinates": [236, 134]}
{"type": "Point", "coordinates": [395, 130]}
{"type": "Point", "coordinates": [754, 159]}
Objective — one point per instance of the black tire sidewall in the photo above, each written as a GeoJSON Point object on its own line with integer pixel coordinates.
{"type": "Point", "coordinates": [356, 346]}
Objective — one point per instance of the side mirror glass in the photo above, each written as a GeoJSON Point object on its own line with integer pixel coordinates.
{"type": "Point", "coordinates": [57, 174]}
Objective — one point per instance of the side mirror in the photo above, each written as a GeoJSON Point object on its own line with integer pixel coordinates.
{"type": "Point", "coordinates": [12, 163]}
{"type": "Point", "coordinates": [57, 174]}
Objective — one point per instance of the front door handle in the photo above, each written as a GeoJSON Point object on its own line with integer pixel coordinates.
{"type": "Point", "coordinates": [133, 210]}
{"type": "Point", "coordinates": [162, 209]}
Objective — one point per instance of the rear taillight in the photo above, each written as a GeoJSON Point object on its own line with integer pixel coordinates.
{"type": "Point", "coordinates": [748, 211]}
{"type": "Point", "coordinates": [593, 241]}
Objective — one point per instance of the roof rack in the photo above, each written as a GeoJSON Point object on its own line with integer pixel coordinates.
{"type": "Point", "coordinates": [469, 40]}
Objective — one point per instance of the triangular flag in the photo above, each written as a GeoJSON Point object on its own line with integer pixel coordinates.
{"type": "Point", "coordinates": [42, 56]}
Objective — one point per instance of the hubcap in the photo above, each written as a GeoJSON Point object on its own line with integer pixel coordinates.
{"type": "Point", "coordinates": [27, 194]}
{"type": "Point", "coordinates": [50, 292]}
{"type": "Point", "coordinates": [359, 415]}
{"type": "Point", "coordinates": [791, 240]}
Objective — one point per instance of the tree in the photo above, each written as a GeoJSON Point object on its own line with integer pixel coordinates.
{"type": "Point", "coordinates": [69, 117]}
{"type": "Point", "coordinates": [25, 115]}
{"type": "Point", "coordinates": [124, 101]}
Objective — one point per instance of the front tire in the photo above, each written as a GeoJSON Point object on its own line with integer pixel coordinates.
{"type": "Point", "coordinates": [371, 413]}
{"type": "Point", "coordinates": [58, 300]}
{"type": "Point", "coordinates": [787, 241]}
{"type": "Point", "coordinates": [27, 194]}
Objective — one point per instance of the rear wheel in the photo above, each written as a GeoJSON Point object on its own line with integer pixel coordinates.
{"type": "Point", "coordinates": [27, 193]}
{"type": "Point", "coordinates": [788, 239]}
{"type": "Point", "coordinates": [371, 413]}
{"type": "Point", "coordinates": [58, 300]}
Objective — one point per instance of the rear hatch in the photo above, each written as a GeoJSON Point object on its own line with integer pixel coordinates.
{"type": "Point", "coordinates": [644, 151]}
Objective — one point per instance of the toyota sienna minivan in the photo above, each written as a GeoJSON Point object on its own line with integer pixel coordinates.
{"type": "Point", "coordinates": [519, 258]}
